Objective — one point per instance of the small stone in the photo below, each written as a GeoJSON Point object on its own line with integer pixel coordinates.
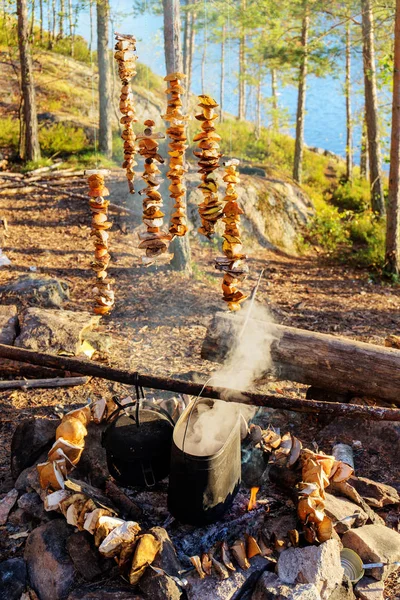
{"type": "Point", "coordinates": [8, 324]}
{"type": "Point", "coordinates": [41, 435]}
{"type": "Point", "coordinates": [375, 494]}
{"type": "Point", "coordinates": [375, 543]}
{"type": "Point", "coordinates": [158, 587]}
{"type": "Point", "coordinates": [32, 505]}
{"type": "Point", "coordinates": [85, 555]}
{"type": "Point", "coordinates": [28, 480]}
{"type": "Point", "coordinates": [104, 592]}
{"type": "Point", "coordinates": [12, 578]}
{"type": "Point", "coordinates": [50, 568]}
{"type": "Point", "coordinates": [42, 291]}
{"type": "Point", "coordinates": [6, 505]}
{"type": "Point", "coordinates": [338, 508]}
{"type": "Point", "coordinates": [166, 558]}
{"type": "Point", "coordinates": [270, 587]}
{"type": "Point", "coordinates": [319, 565]}
{"type": "Point", "coordinates": [369, 589]}
{"type": "Point", "coordinates": [54, 331]}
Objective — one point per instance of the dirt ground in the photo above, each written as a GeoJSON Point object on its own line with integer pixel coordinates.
{"type": "Point", "coordinates": [160, 317]}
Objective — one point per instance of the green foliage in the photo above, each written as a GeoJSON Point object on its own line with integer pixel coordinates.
{"type": "Point", "coordinates": [81, 48]}
{"type": "Point", "coordinates": [31, 165]}
{"type": "Point", "coordinates": [62, 138]}
{"type": "Point", "coordinates": [352, 195]}
{"type": "Point", "coordinates": [328, 229]}
{"type": "Point", "coordinates": [9, 133]}
{"type": "Point", "coordinates": [147, 79]}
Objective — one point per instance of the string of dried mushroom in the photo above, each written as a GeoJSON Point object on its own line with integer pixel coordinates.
{"type": "Point", "coordinates": [176, 132]}
{"type": "Point", "coordinates": [115, 538]}
{"type": "Point", "coordinates": [126, 59]}
{"type": "Point", "coordinates": [154, 240]}
{"type": "Point", "coordinates": [210, 209]}
{"type": "Point", "coordinates": [104, 295]}
{"type": "Point", "coordinates": [233, 265]}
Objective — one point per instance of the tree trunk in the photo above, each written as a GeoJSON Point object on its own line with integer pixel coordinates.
{"type": "Point", "coordinates": [274, 90]}
{"type": "Point", "coordinates": [32, 20]}
{"type": "Point", "coordinates": [371, 107]}
{"type": "Point", "coordinates": [61, 16]}
{"type": "Point", "coordinates": [31, 139]}
{"type": "Point", "coordinates": [191, 52]}
{"type": "Point", "coordinates": [103, 58]}
{"type": "Point", "coordinates": [364, 149]}
{"type": "Point", "coordinates": [186, 35]}
{"type": "Point", "coordinates": [301, 98]}
{"type": "Point", "coordinates": [71, 25]}
{"type": "Point", "coordinates": [49, 40]}
{"type": "Point", "coordinates": [258, 106]}
{"type": "Point", "coordinates": [203, 69]}
{"type": "Point", "coordinates": [91, 28]}
{"type": "Point", "coordinates": [393, 208]}
{"type": "Point", "coordinates": [222, 76]}
{"type": "Point", "coordinates": [54, 21]}
{"type": "Point", "coordinates": [349, 124]}
{"type": "Point", "coordinates": [180, 246]}
{"type": "Point", "coordinates": [242, 65]}
{"type": "Point", "coordinates": [41, 21]}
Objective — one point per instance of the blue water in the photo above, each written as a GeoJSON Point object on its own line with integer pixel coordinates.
{"type": "Point", "coordinates": [325, 123]}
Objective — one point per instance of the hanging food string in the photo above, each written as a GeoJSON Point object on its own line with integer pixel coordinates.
{"type": "Point", "coordinates": [210, 209]}
{"type": "Point", "coordinates": [104, 296]}
{"type": "Point", "coordinates": [232, 264]}
{"type": "Point", "coordinates": [126, 59]}
{"type": "Point", "coordinates": [154, 240]}
{"type": "Point", "coordinates": [176, 132]}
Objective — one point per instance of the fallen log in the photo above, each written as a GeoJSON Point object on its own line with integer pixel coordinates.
{"type": "Point", "coordinates": [197, 389]}
{"type": "Point", "coordinates": [321, 360]}
{"type": "Point", "coordinates": [17, 384]}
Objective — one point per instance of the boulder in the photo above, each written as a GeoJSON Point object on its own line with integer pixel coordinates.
{"type": "Point", "coordinates": [41, 435]}
{"type": "Point", "coordinates": [43, 291]}
{"type": "Point", "coordinates": [270, 587]}
{"type": "Point", "coordinates": [155, 586]}
{"type": "Point", "coordinates": [6, 505]}
{"type": "Point", "coordinates": [28, 480]}
{"type": "Point", "coordinates": [338, 508]}
{"type": "Point", "coordinates": [93, 463]}
{"type": "Point", "coordinates": [104, 592]}
{"type": "Point", "coordinates": [8, 323]}
{"type": "Point", "coordinates": [54, 331]}
{"type": "Point", "coordinates": [12, 578]}
{"type": "Point", "coordinates": [84, 555]}
{"type": "Point", "coordinates": [375, 494]}
{"type": "Point", "coordinates": [375, 543]}
{"type": "Point", "coordinates": [51, 571]}
{"type": "Point", "coordinates": [319, 565]}
{"type": "Point", "coordinates": [32, 505]}
{"type": "Point", "coordinates": [166, 558]}
{"type": "Point", "coordinates": [369, 589]}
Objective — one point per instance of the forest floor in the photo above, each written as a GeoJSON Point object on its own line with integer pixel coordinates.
{"type": "Point", "coordinates": [160, 317]}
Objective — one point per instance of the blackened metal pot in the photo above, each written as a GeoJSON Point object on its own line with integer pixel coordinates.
{"type": "Point", "coordinates": [202, 488]}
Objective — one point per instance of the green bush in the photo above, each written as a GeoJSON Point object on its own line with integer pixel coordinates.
{"type": "Point", "coordinates": [9, 133]}
{"type": "Point", "coordinates": [62, 138]}
{"type": "Point", "coordinates": [81, 49]}
{"type": "Point", "coordinates": [352, 195]}
{"type": "Point", "coordinates": [328, 229]}
{"type": "Point", "coordinates": [147, 79]}
{"type": "Point", "coordinates": [368, 236]}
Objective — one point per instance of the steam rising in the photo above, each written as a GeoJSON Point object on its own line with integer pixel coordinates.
{"type": "Point", "coordinates": [250, 357]}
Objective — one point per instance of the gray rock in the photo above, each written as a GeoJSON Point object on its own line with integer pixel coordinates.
{"type": "Point", "coordinates": [166, 559]}
{"type": "Point", "coordinates": [32, 505]}
{"type": "Point", "coordinates": [8, 323]}
{"type": "Point", "coordinates": [53, 331]}
{"type": "Point", "coordinates": [319, 565]}
{"type": "Point", "coordinates": [84, 554]}
{"type": "Point", "coordinates": [28, 480]}
{"type": "Point", "coordinates": [93, 463]}
{"type": "Point", "coordinates": [42, 291]}
{"type": "Point", "coordinates": [6, 505]}
{"type": "Point", "coordinates": [375, 543]}
{"type": "Point", "coordinates": [279, 526]}
{"type": "Point", "coordinates": [12, 578]}
{"type": "Point", "coordinates": [369, 589]}
{"type": "Point", "coordinates": [158, 587]}
{"type": "Point", "coordinates": [51, 571]}
{"type": "Point", "coordinates": [337, 508]}
{"type": "Point", "coordinates": [344, 591]}
{"type": "Point", "coordinates": [270, 587]}
{"type": "Point", "coordinates": [105, 592]}
{"type": "Point", "coordinates": [40, 433]}
{"type": "Point", "coordinates": [375, 494]}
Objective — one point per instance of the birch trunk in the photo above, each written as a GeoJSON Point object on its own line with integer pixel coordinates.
{"type": "Point", "coordinates": [31, 149]}
{"type": "Point", "coordinates": [191, 52]}
{"type": "Point", "coordinates": [371, 107]}
{"type": "Point", "coordinates": [393, 208]}
{"type": "Point", "coordinates": [61, 19]}
{"type": "Point", "coordinates": [103, 58]}
{"type": "Point", "coordinates": [301, 98]}
{"type": "Point", "coordinates": [71, 25]}
{"type": "Point", "coordinates": [173, 61]}
{"type": "Point", "coordinates": [349, 124]}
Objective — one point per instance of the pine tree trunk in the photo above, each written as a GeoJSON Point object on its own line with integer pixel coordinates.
{"type": "Point", "coordinates": [54, 21]}
{"type": "Point", "coordinates": [349, 124]}
{"type": "Point", "coordinates": [364, 149]}
{"type": "Point", "coordinates": [71, 26]}
{"type": "Point", "coordinates": [301, 98]}
{"type": "Point", "coordinates": [371, 105]}
{"type": "Point", "coordinates": [61, 19]}
{"type": "Point", "coordinates": [274, 90]}
{"type": "Point", "coordinates": [180, 246]}
{"type": "Point", "coordinates": [91, 28]}
{"type": "Point", "coordinates": [41, 21]}
{"type": "Point", "coordinates": [32, 20]}
{"type": "Point", "coordinates": [192, 38]}
{"type": "Point", "coordinates": [49, 40]}
{"type": "Point", "coordinates": [242, 65]}
{"type": "Point", "coordinates": [393, 207]}
{"type": "Point", "coordinates": [31, 140]}
{"type": "Point", "coordinates": [186, 35]}
{"type": "Point", "coordinates": [103, 58]}
{"type": "Point", "coordinates": [222, 76]}
{"type": "Point", "coordinates": [258, 107]}
{"type": "Point", "coordinates": [203, 69]}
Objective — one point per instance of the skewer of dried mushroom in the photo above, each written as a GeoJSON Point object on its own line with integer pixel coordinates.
{"type": "Point", "coordinates": [177, 146]}
{"type": "Point", "coordinates": [114, 537]}
{"type": "Point", "coordinates": [210, 209]}
{"type": "Point", "coordinates": [126, 59]}
{"type": "Point", "coordinates": [154, 240]}
{"type": "Point", "coordinates": [232, 264]}
{"type": "Point", "coordinates": [98, 205]}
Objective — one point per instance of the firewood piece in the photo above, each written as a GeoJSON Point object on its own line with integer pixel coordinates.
{"type": "Point", "coordinates": [127, 508]}
{"type": "Point", "coordinates": [42, 383]}
{"type": "Point", "coordinates": [304, 356]}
